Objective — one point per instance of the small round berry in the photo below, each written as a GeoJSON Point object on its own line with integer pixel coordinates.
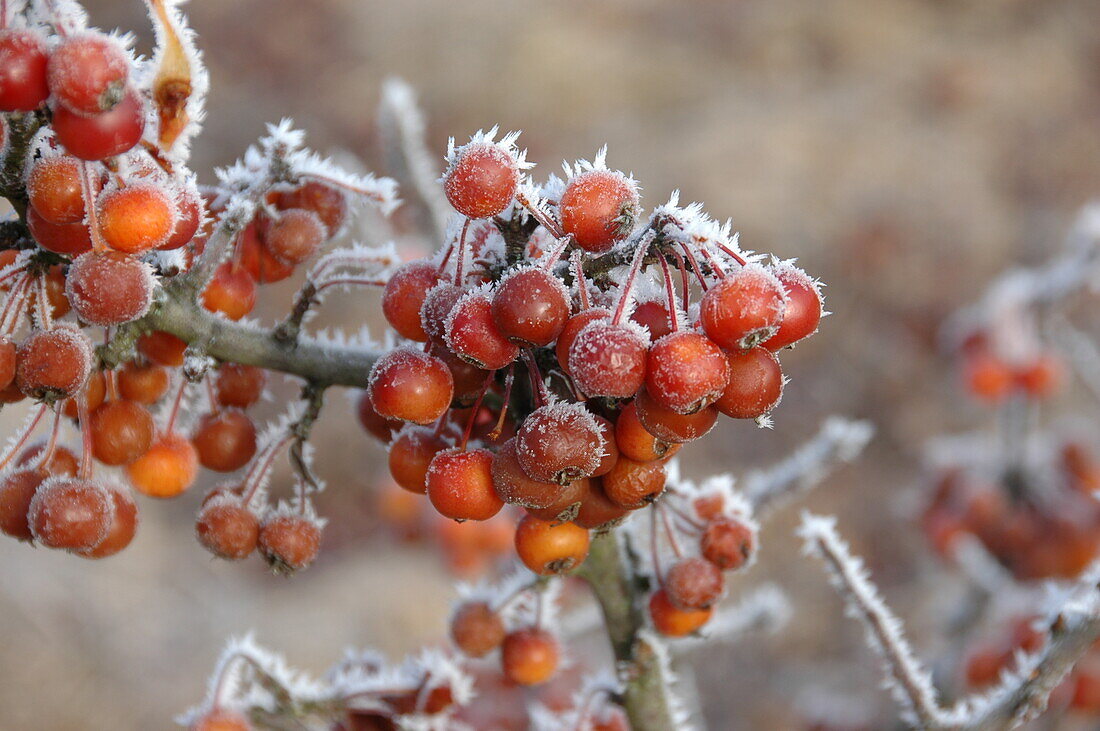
{"type": "Point", "coordinates": [328, 203]}
{"type": "Point", "coordinates": [559, 443]}
{"type": "Point", "coordinates": [597, 511]}
{"type": "Point", "coordinates": [70, 513]}
{"type": "Point", "coordinates": [1042, 377]}
{"type": "Point", "coordinates": [162, 348]}
{"type": "Point", "coordinates": [987, 377]}
{"type": "Point", "coordinates": [24, 58]}
{"type": "Point", "coordinates": [530, 307]}
{"type": "Point", "coordinates": [123, 525]}
{"type": "Point", "coordinates": [167, 468]}
{"type": "Point", "coordinates": [804, 308]}
{"type": "Point", "coordinates": [608, 360]}
{"type": "Point", "coordinates": [8, 359]}
{"type": "Point", "coordinates": [92, 394]}
{"type": "Point", "coordinates": [473, 336]}
{"type": "Point", "coordinates": [109, 288]}
{"type": "Point", "coordinates": [598, 208]}
{"type": "Point", "coordinates": [295, 236]}
{"type": "Point", "coordinates": [17, 489]}
{"type": "Point", "coordinates": [566, 507]}
{"type": "Point", "coordinates": [435, 312]}
{"type": "Point", "coordinates": [476, 629]}
{"type": "Point", "coordinates": [460, 484]}
{"type": "Point", "coordinates": [404, 296]}
{"type": "Point", "coordinates": [669, 426]}
{"type": "Point", "coordinates": [743, 309]}
{"type": "Point", "coordinates": [469, 379]}
{"type": "Point", "coordinates": [530, 656]}
{"type": "Point", "coordinates": [375, 424]}
{"type": "Point", "coordinates": [411, 453]}
{"type": "Point", "coordinates": [755, 384]}
{"type": "Point", "coordinates": [551, 548]}
{"type": "Point", "coordinates": [55, 190]}
{"type": "Point", "coordinates": [70, 239]}
{"type": "Point", "coordinates": [143, 383]}
{"type": "Point", "coordinates": [225, 440]}
{"type": "Point", "coordinates": [188, 220]}
{"type": "Point", "coordinates": [515, 486]}
{"type": "Point", "coordinates": [53, 364]}
{"type": "Point", "coordinates": [231, 292]}
{"type": "Point", "coordinates": [62, 462]}
{"type": "Point", "coordinates": [481, 180]}
{"type": "Point", "coordinates": [121, 432]}
{"type": "Point", "coordinates": [572, 328]}
{"type": "Point", "coordinates": [409, 385]}
{"type": "Point", "coordinates": [727, 543]}
{"type": "Point", "coordinates": [653, 316]}
{"type": "Point", "coordinates": [610, 448]}
{"type": "Point", "coordinates": [239, 385]}
{"type": "Point", "coordinates": [634, 485]}
{"type": "Point", "coordinates": [634, 442]}
{"type": "Point", "coordinates": [694, 583]}
{"type": "Point", "coordinates": [136, 218]}
{"type": "Point", "coordinates": [685, 372]}
{"type": "Point", "coordinates": [290, 542]}
{"type": "Point", "coordinates": [227, 528]}
{"type": "Point", "coordinates": [103, 135]}
{"type": "Point", "coordinates": [221, 719]}
{"type": "Point", "coordinates": [87, 73]}
{"type": "Point", "coordinates": [673, 622]}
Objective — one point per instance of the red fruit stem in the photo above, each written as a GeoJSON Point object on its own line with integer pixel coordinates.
{"type": "Point", "coordinates": [499, 428]}
{"type": "Point", "coordinates": [731, 253]}
{"type": "Point", "coordinates": [537, 385]}
{"type": "Point", "coordinates": [13, 307]}
{"type": "Point", "coordinates": [685, 280]}
{"type": "Point", "coordinates": [23, 437]}
{"type": "Point", "coordinates": [3, 14]}
{"type": "Point", "coordinates": [51, 444]}
{"type": "Point", "coordinates": [541, 216]}
{"type": "Point", "coordinates": [260, 467]}
{"type": "Point", "coordinates": [654, 548]}
{"type": "Point", "coordinates": [460, 261]}
{"type": "Point", "coordinates": [215, 407]}
{"type": "Point", "coordinates": [42, 309]}
{"type": "Point", "coordinates": [110, 381]}
{"type": "Point", "coordinates": [344, 185]}
{"type": "Point", "coordinates": [171, 425]}
{"type": "Point", "coordinates": [669, 530]}
{"type": "Point", "coordinates": [684, 517]}
{"type": "Point", "coordinates": [476, 408]}
{"type": "Point", "coordinates": [556, 253]}
{"type": "Point", "coordinates": [670, 291]}
{"type": "Point", "coordinates": [635, 267]}
{"type": "Point", "coordinates": [89, 192]}
{"type": "Point", "coordinates": [582, 284]}
{"type": "Point", "coordinates": [82, 416]}
{"type": "Point", "coordinates": [446, 258]}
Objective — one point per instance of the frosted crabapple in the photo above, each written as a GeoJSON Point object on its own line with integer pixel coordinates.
{"type": "Point", "coordinates": [745, 308]}
{"type": "Point", "coordinates": [289, 542]}
{"type": "Point", "coordinates": [481, 178]}
{"type": "Point", "coordinates": [598, 209]}
{"type": "Point", "coordinates": [87, 73]}
{"type": "Point", "coordinates": [23, 62]}
{"type": "Point", "coordinates": [109, 288]}
{"type": "Point", "coordinates": [530, 656]}
{"type": "Point", "coordinates": [549, 548]}
{"type": "Point", "coordinates": [411, 386]}
{"type": "Point", "coordinates": [559, 443]}
{"type": "Point", "coordinates": [476, 629]}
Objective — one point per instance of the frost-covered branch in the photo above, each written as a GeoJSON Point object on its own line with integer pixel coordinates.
{"type": "Point", "coordinates": [909, 682]}
{"type": "Point", "coordinates": [1020, 696]}
{"type": "Point", "coordinates": [839, 440]}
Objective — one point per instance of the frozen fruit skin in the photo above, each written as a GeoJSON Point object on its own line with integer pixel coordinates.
{"type": "Point", "coordinates": [70, 513]}
{"type": "Point", "coordinates": [598, 208]}
{"type": "Point", "coordinates": [685, 371]}
{"type": "Point", "coordinates": [123, 525]}
{"type": "Point", "coordinates": [471, 333]}
{"type": "Point", "coordinates": [530, 307]}
{"type": "Point", "coordinates": [409, 385]}
{"type": "Point", "coordinates": [53, 363]}
{"type": "Point", "coordinates": [290, 542]}
{"type": "Point", "coordinates": [743, 309]}
{"type": "Point", "coordinates": [515, 486]}
{"type": "Point", "coordinates": [804, 309]}
{"type": "Point", "coordinates": [476, 629]}
{"type": "Point", "coordinates": [55, 190]}
{"type": "Point", "coordinates": [87, 73]}
{"type": "Point", "coordinates": [482, 180]}
{"type": "Point", "coordinates": [23, 61]}
{"type": "Point", "coordinates": [109, 288]}
{"type": "Point", "coordinates": [460, 485]}
{"type": "Point", "coordinates": [559, 442]}
{"type": "Point", "coordinates": [530, 656]}
{"type": "Point", "coordinates": [608, 360]}
{"type": "Point", "coordinates": [404, 296]}
{"type": "Point", "coordinates": [136, 218]}
{"type": "Point", "coordinates": [104, 135]}
{"type": "Point", "coordinates": [227, 528]}
{"type": "Point", "coordinates": [755, 384]}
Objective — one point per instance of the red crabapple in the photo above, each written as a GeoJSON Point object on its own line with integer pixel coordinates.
{"type": "Point", "coordinates": [598, 208]}
{"type": "Point", "coordinates": [481, 180]}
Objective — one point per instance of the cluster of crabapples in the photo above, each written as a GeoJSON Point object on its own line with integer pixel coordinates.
{"type": "Point", "coordinates": [1034, 533]}
{"type": "Point", "coordinates": [993, 374]}
{"type": "Point", "coordinates": [557, 365]}
{"type": "Point", "coordinates": [110, 216]}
